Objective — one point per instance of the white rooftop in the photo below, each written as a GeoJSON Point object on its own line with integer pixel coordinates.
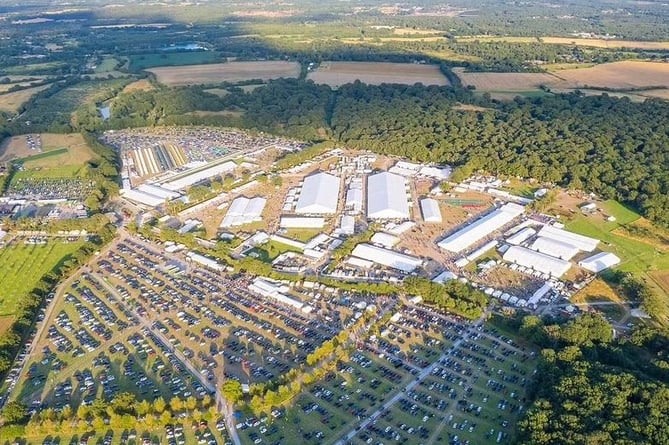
{"type": "Point", "coordinates": [599, 262]}
{"type": "Point", "coordinates": [476, 231]}
{"type": "Point", "coordinates": [388, 258]}
{"type": "Point", "coordinates": [537, 261]}
{"type": "Point", "coordinates": [583, 243]}
{"type": "Point", "coordinates": [387, 197]}
{"type": "Point", "coordinates": [554, 248]}
{"type": "Point", "coordinates": [320, 194]}
{"type": "Point", "coordinates": [430, 209]}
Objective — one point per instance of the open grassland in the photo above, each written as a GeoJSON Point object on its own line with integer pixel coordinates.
{"type": "Point", "coordinates": [107, 64]}
{"type": "Point", "coordinates": [575, 41]}
{"type": "Point", "coordinates": [22, 266]}
{"type": "Point", "coordinates": [339, 73]}
{"type": "Point", "coordinates": [225, 72]}
{"type": "Point", "coordinates": [57, 150]}
{"type": "Point", "coordinates": [638, 256]}
{"type": "Point", "coordinates": [11, 102]}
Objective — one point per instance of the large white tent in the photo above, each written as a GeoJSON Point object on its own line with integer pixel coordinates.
{"type": "Point", "coordinates": [552, 247]}
{"type": "Point", "coordinates": [430, 209]}
{"type": "Point", "coordinates": [388, 258]}
{"type": "Point", "coordinates": [520, 236]}
{"type": "Point", "coordinates": [301, 222]}
{"type": "Point", "coordinates": [319, 196]}
{"type": "Point", "coordinates": [583, 243]}
{"type": "Point", "coordinates": [243, 211]}
{"type": "Point", "coordinates": [387, 197]}
{"type": "Point", "coordinates": [472, 233]}
{"type": "Point", "coordinates": [199, 176]}
{"type": "Point", "coordinates": [536, 260]}
{"type": "Point", "coordinates": [599, 262]}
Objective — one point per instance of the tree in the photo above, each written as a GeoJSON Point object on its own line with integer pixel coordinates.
{"type": "Point", "coordinates": [191, 403]}
{"type": "Point", "coordinates": [176, 404]}
{"type": "Point", "coordinates": [124, 403]}
{"type": "Point", "coordinates": [143, 408]}
{"type": "Point", "coordinates": [159, 405]}
{"type": "Point", "coordinates": [232, 390]}
{"type": "Point", "coordinates": [14, 412]}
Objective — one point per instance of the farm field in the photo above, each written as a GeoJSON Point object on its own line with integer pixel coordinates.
{"type": "Point", "coordinates": [22, 266]}
{"type": "Point", "coordinates": [144, 61]}
{"type": "Point", "coordinates": [595, 43]}
{"type": "Point", "coordinates": [626, 76]}
{"type": "Point", "coordinates": [11, 102]}
{"type": "Point", "coordinates": [618, 75]}
{"type": "Point", "coordinates": [336, 74]}
{"type": "Point", "coordinates": [505, 82]}
{"type": "Point", "coordinates": [67, 149]}
{"type": "Point", "coordinates": [225, 72]}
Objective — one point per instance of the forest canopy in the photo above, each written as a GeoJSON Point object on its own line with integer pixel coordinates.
{"type": "Point", "coordinates": [610, 146]}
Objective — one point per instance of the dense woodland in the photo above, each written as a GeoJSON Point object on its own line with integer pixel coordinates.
{"type": "Point", "coordinates": [594, 389]}
{"type": "Point", "coordinates": [612, 147]}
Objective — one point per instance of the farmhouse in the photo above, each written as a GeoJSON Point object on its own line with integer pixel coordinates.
{"type": "Point", "coordinates": [319, 196]}
{"type": "Point", "coordinates": [387, 197]}
{"type": "Point", "coordinates": [471, 234]}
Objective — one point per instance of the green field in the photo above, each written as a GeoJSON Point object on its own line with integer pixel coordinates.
{"type": "Point", "coordinates": [22, 266]}
{"type": "Point", "coordinates": [637, 256]}
{"type": "Point", "coordinates": [142, 61]}
{"type": "Point", "coordinates": [33, 68]}
{"type": "Point", "coordinates": [106, 65]}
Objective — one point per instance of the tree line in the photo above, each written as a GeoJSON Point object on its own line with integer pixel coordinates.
{"type": "Point", "coordinates": [592, 387]}
{"type": "Point", "coordinates": [610, 146]}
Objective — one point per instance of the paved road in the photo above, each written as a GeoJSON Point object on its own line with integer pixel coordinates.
{"type": "Point", "coordinates": [221, 403]}
{"type": "Point", "coordinates": [411, 385]}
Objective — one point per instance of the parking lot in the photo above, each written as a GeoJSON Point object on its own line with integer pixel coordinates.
{"type": "Point", "coordinates": [428, 378]}
{"type": "Point", "coordinates": [147, 322]}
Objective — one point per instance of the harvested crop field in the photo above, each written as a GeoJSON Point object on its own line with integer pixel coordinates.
{"type": "Point", "coordinates": [11, 102]}
{"type": "Point", "coordinates": [627, 74]}
{"type": "Point", "coordinates": [505, 81]}
{"type": "Point", "coordinates": [336, 74]}
{"type": "Point", "coordinates": [225, 72]}
{"type": "Point", "coordinates": [575, 41]}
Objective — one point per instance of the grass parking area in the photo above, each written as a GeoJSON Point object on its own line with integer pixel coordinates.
{"type": "Point", "coordinates": [23, 265]}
